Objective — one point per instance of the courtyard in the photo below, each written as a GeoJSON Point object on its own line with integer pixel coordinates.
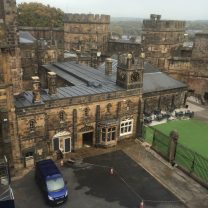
{"type": "Point", "coordinates": [91, 185]}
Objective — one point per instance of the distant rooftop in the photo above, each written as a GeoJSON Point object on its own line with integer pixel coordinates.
{"type": "Point", "coordinates": [26, 38]}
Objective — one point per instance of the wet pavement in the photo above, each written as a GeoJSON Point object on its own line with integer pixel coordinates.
{"type": "Point", "coordinates": [189, 191]}
{"type": "Point", "coordinates": [91, 185]}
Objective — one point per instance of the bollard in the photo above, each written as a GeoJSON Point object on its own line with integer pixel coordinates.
{"type": "Point", "coordinates": [141, 205]}
{"type": "Point", "coordinates": [111, 171]}
{"type": "Point", "coordinates": [62, 163]}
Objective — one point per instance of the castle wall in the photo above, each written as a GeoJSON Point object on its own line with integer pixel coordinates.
{"type": "Point", "coordinates": [200, 47]}
{"type": "Point", "coordinates": [85, 31]}
{"type": "Point", "coordinates": [10, 81]}
{"type": "Point", "coordinates": [159, 37]}
{"type": "Point", "coordinates": [9, 41]}
{"type": "Point", "coordinates": [164, 100]}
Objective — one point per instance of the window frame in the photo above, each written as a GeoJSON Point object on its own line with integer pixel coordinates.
{"type": "Point", "coordinates": [65, 144]}
{"type": "Point", "coordinates": [53, 143]}
{"type": "Point", "coordinates": [125, 125]}
{"type": "Point", "coordinates": [108, 134]}
{"type": "Point", "coordinates": [32, 125]}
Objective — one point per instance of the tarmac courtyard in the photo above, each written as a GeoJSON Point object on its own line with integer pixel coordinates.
{"type": "Point", "coordinates": [92, 186]}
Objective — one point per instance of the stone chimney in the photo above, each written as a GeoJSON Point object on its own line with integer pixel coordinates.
{"type": "Point", "coordinates": [52, 83]}
{"type": "Point", "coordinates": [94, 58]}
{"type": "Point", "coordinates": [78, 53]}
{"type": "Point", "coordinates": [129, 60]}
{"type": "Point", "coordinates": [108, 66]}
{"type": "Point", "coordinates": [36, 89]}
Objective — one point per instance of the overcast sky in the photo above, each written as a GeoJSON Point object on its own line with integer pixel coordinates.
{"type": "Point", "coordinates": [170, 9]}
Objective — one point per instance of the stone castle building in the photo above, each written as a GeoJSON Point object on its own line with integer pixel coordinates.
{"type": "Point", "coordinates": [164, 42]}
{"type": "Point", "coordinates": [83, 32]}
{"type": "Point", "coordinates": [10, 81]}
{"type": "Point", "coordinates": [68, 105]}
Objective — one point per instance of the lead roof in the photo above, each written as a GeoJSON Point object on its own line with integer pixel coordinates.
{"type": "Point", "coordinates": [88, 81]}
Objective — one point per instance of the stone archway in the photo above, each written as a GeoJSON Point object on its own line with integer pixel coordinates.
{"type": "Point", "coordinates": [62, 141]}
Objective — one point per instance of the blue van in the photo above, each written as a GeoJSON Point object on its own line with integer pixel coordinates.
{"type": "Point", "coordinates": [51, 182]}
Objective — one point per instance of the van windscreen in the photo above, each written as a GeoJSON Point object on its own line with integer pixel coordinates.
{"type": "Point", "coordinates": [55, 184]}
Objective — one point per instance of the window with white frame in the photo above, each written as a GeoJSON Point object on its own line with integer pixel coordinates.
{"type": "Point", "coordinates": [126, 127]}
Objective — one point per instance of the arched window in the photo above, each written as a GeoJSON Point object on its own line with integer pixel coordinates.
{"type": "Point", "coordinates": [62, 116]}
{"type": "Point", "coordinates": [86, 112]}
{"type": "Point", "coordinates": [32, 124]}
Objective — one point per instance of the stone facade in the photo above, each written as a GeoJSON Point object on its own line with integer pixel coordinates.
{"type": "Point", "coordinates": [163, 43]}
{"type": "Point", "coordinates": [159, 37]}
{"type": "Point", "coordinates": [33, 55]}
{"type": "Point", "coordinates": [29, 63]}
{"type": "Point", "coordinates": [53, 36]}
{"type": "Point", "coordinates": [165, 100]}
{"type": "Point", "coordinates": [86, 31]}
{"type": "Point", "coordinates": [9, 41]}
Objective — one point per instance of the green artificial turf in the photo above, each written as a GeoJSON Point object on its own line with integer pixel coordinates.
{"type": "Point", "coordinates": [193, 134]}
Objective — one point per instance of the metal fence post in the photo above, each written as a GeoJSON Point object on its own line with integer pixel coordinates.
{"type": "Point", "coordinates": [193, 164]}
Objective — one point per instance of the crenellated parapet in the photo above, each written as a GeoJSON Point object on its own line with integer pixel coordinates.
{"type": "Point", "coordinates": [156, 24]}
{"type": "Point", "coordinates": [86, 18]}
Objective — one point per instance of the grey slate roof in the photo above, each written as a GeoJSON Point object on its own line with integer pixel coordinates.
{"type": "Point", "coordinates": [154, 79]}
{"type": "Point", "coordinates": [26, 38]}
{"type": "Point", "coordinates": [89, 81]}
{"type": "Point", "coordinates": [86, 80]}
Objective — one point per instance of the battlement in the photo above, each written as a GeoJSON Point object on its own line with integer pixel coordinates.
{"type": "Point", "coordinates": [86, 18]}
{"type": "Point", "coordinates": [156, 24]}
{"type": "Point", "coordinates": [201, 35]}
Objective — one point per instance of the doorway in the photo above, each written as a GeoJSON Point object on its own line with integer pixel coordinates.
{"type": "Point", "coordinates": [87, 139]}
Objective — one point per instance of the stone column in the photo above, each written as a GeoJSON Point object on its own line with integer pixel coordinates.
{"type": "Point", "coordinates": [97, 129]}
{"type": "Point", "coordinates": [78, 53]}
{"type": "Point", "coordinates": [74, 139]}
{"type": "Point", "coordinates": [172, 146]}
{"type": "Point", "coordinates": [93, 58]}
{"type": "Point", "coordinates": [140, 118]}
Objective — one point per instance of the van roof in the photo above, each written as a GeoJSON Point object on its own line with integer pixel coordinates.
{"type": "Point", "coordinates": [48, 168]}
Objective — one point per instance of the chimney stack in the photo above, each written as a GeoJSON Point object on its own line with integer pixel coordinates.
{"type": "Point", "coordinates": [78, 53]}
{"type": "Point", "coordinates": [108, 66]}
{"type": "Point", "coordinates": [36, 89]}
{"type": "Point", "coordinates": [94, 58]}
{"type": "Point", "coordinates": [52, 83]}
{"type": "Point", "coordinates": [129, 60]}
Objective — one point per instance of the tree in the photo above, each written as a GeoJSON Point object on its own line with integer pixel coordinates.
{"type": "Point", "coordinates": [39, 15]}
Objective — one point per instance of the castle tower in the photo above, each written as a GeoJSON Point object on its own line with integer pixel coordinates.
{"type": "Point", "coordinates": [130, 71]}
{"type": "Point", "coordinates": [159, 38]}
{"type": "Point", "coordinates": [86, 31]}
{"type": "Point", "coordinates": [10, 81]}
